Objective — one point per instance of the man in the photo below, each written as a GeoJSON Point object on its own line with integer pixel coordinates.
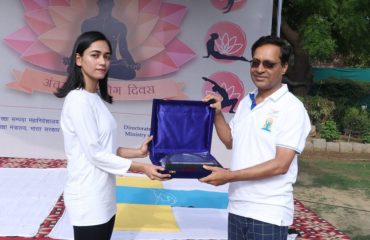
{"type": "Point", "coordinates": [267, 132]}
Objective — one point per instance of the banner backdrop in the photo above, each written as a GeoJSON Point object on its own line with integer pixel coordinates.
{"type": "Point", "coordinates": [161, 49]}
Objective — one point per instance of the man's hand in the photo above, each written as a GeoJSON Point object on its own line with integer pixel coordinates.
{"type": "Point", "coordinates": [217, 101]}
{"type": "Point", "coordinates": [219, 176]}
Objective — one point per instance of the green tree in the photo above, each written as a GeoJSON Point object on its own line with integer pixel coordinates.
{"type": "Point", "coordinates": [329, 131]}
{"type": "Point", "coordinates": [322, 32]}
{"type": "Point", "coordinates": [356, 121]}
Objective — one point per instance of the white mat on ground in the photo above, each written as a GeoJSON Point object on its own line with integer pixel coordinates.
{"type": "Point", "coordinates": [27, 197]}
{"type": "Point", "coordinates": [195, 223]}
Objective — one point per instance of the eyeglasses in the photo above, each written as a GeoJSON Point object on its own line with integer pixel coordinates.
{"type": "Point", "coordinates": [255, 63]}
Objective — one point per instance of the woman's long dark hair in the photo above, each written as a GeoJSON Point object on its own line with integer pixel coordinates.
{"type": "Point", "coordinates": [75, 77]}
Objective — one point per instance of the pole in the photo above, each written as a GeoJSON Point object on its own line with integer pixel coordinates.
{"type": "Point", "coordinates": [278, 26]}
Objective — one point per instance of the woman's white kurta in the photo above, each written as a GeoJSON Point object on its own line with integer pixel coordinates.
{"type": "Point", "coordinates": [89, 131]}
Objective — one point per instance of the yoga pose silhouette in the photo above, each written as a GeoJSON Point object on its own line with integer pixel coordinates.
{"type": "Point", "coordinates": [123, 65]}
{"type": "Point", "coordinates": [228, 6]}
{"type": "Point", "coordinates": [212, 52]}
{"type": "Point", "coordinates": [226, 101]}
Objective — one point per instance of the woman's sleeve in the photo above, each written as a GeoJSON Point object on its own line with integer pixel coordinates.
{"type": "Point", "coordinates": [82, 117]}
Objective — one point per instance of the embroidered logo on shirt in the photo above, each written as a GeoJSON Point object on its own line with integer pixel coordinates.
{"type": "Point", "coordinates": [267, 125]}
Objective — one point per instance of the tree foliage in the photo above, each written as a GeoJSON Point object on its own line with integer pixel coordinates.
{"type": "Point", "coordinates": [325, 32]}
{"type": "Point", "coordinates": [331, 31]}
{"type": "Point", "coordinates": [329, 131]}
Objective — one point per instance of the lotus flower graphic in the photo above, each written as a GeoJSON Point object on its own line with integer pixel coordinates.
{"type": "Point", "coordinates": [152, 27]}
{"type": "Point", "coordinates": [226, 41]}
{"type": "Point", "coordinates": [228, 45]}
{"type": "Point", "coordinates": [231, 92]}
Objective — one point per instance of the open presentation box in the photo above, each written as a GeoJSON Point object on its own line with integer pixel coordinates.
{"type": "Point", "coordinates": [182, 137]}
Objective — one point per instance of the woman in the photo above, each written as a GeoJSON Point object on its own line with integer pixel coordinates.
{"type": "Point", "coordinates": [89, 131]}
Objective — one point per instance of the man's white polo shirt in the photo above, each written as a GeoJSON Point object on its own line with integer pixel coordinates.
{"type": "Point", "coordinates": [280, 120]}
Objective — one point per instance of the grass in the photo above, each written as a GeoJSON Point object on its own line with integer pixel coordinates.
{"type": "Point", "coordinates": [336, 174]}
{"type": "Point", "coordinates": [341, 175]}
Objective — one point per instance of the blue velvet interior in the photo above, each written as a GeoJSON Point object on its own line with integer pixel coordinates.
{"type": "Point", "coordinates": [180, 126]}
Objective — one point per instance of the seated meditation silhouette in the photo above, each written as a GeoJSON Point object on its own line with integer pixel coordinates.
{"type": "Point", "coordinates": [123, 65]}
{"type": "Point", "coordinates": [226, 101]}
{"type": "Point", "coordinates": [214, 53]}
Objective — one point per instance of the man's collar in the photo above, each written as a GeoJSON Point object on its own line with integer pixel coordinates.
{"type": "Point", "coordinates": [276, 95]}
{"type": "Point", "coordinates": [279, 93]}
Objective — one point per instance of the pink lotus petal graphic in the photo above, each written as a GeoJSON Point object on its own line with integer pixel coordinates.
{"type": "Point", "coordinates": [143, 29]}
{"type": "Point", "coordinates": [60, 39]}
{"type": "Point", "coordinates": [150, 6]}
{"type": "Point", "coordinates": [40, 55]}
{"type": "Point", "coordinates": [67, 20]}
{"type": "Point", "coordinates": [172, 13]}
{"type": "Point", "coordinates": [127, 12]}
{"type": "Point", "coordinates": [21, 39]}
{"type": "Point", "coordinates": [39, 21]}
{"type": "Point", "coordinates": [159, 35]}
{"type": "Point", "coordinates": [140, 17]}
{"type": "Point", "coordinates": [176, 54]}
{"type": "Point", "coordinates": [30, 5]}
{"type": "Point", "coordinates": [146, 23]}
{"type": "Point", "coordinates": [161, 65]}
{"type": "Point", "coordinates": [152, 28]}
{"type": "Point", "coordinates": [66, 15]}
{"type": "Point", "coordinates": [179, 52]}
{"type": "Point", "coordinates": [17, 84]}
{"type": "Point", "coordinates": [59, 2]}
{"type": "Point", "coordinates": [150, 48]}
{"type": "Point", "coordinates": [165, 32]}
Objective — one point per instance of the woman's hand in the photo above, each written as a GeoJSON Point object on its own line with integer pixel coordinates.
{"type": "Point", "coordinates": [140, 152]}
{"type": "Point", "coordinates": [144, 148]}
{"type": "Point", "coordinates": [152, 171]}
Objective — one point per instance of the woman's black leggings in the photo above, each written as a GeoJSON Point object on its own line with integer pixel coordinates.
{"type": "Point", "coordinates": [95, 232]}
